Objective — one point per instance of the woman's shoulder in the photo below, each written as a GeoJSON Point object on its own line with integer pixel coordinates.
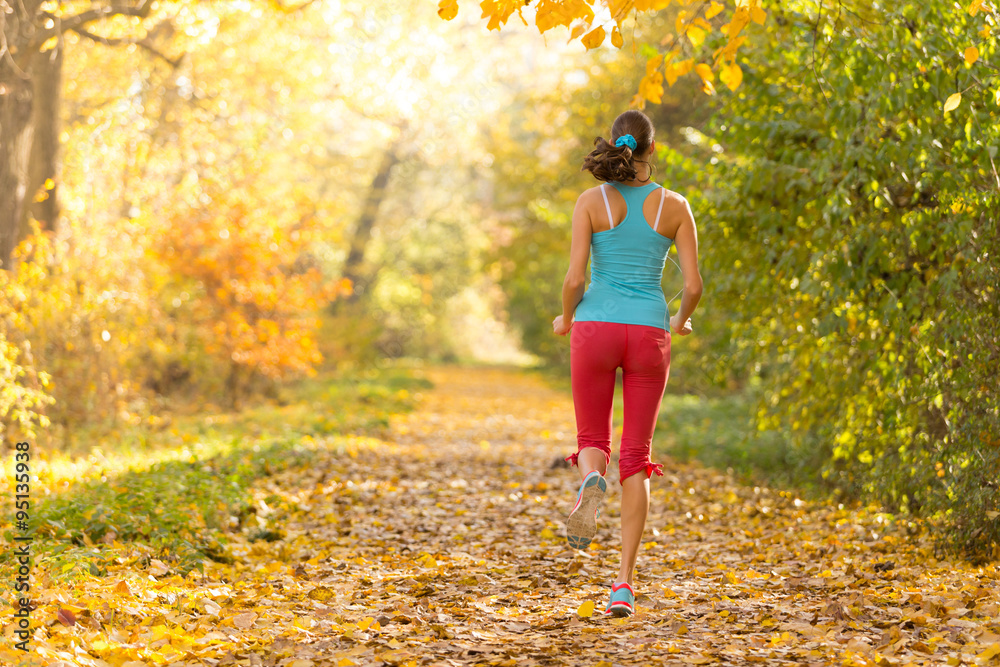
{"type": "Point", "coordinates": [675, 199]}
{"type": "Point", "coordinates": [594, 191]}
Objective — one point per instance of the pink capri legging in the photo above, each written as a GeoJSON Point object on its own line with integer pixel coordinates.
{"type": "Point", "coordinates": [597, 350]}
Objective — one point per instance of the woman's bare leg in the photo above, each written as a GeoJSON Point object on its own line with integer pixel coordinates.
{"type": "Point", "coordinates": [635, 507]}
{"type": "Point", "coordinates": [591, 459]}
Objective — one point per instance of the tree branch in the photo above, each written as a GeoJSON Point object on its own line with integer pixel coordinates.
{"type": "Point", "coordinates": [119, 41]}
{"type": "Point", "coordinates": [62, 24]}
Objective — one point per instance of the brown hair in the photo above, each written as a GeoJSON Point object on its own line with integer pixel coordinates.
{"type": "Point", "coordinates": [608, 162]}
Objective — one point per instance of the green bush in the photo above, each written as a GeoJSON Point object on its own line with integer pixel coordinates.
{"type": "Point", "coordinates": [853, 241]}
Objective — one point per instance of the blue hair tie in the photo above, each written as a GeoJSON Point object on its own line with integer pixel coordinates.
{"type": "Point", "coordinates": [626, 140]}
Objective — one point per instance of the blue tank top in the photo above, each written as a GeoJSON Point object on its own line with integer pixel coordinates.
{"type": "Point", "coordinates": [627, 266]}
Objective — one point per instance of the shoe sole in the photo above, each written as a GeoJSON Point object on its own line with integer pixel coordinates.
{"type": "Point", "coordinates": [581, 526]}
{"type": "Point", "coordinates": [619, 610]}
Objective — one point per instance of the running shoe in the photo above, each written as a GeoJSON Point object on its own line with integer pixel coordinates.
{"type": "Point", "coordinates": [582, 523]}
{"type": "Point", "coordinates": [622, 602]}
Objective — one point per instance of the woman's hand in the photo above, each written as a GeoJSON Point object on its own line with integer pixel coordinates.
{"type": "Point", "coordinates": [559, 328]}
{"type": "Point", "coordinates": [678, 327]}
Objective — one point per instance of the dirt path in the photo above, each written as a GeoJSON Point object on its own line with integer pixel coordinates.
{"type": "Point", "coordinates": [444, 545]}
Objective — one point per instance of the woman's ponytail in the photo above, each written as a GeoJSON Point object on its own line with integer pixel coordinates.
{"type": "Point", "coordinates": [632, 134]}
{"type": "Point", "coordinates": [610, 163]}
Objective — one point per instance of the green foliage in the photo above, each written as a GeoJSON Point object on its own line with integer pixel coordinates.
{"type": "Point", "coordinates": [721, 432]}
{"type": "Point", "coordinates": [853, 238]}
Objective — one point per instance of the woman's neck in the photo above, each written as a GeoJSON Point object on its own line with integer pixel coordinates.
{"type": "Point", "coordinates": [641, 172]}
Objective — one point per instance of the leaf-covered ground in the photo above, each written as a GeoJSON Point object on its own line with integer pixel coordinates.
{"type": "Point", "coordinates": [442, 544]}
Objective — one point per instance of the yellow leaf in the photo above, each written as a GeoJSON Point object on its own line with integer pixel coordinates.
{"type": "Point", "coordinates": [971, 55]}
{"type": "Point", "coordinates": [671, 74]}
{"type": "Point", "coordinates": [651, 87]}
{"type": "Point", "coordinates": [740, 20]}
{"type": "Point", "coordinates": [684, 66]}
{"type": "Point", "coordinates": [300, 663]}
{"type": "Point", "coordinates": [498, 12]}
{"type": "Point", "coordinates": [448, 9]}
{"type": "Point", "coordinates": [304, 623]}
{"type": "Point", "coordinates": [707, 88]}
{"type": "Point", "coordinates": [989, 653]}
{"type": "Point", "coordinates": [696, 35]}
{"type": "Point", "coordinates": [653, 63]}
{"type": "Point", "coordinates": [616, 38]}
{"type": "Point", "coordinates": [705, 72]}
{"type": "Point", "coordinates": [732, 76]}
{"type": "Point", "coordinates": [363, 624]}
{"type": "Point", "coordinates": [952, 102]}
{"type": "Point", "coordinates": [713, 10]}
{"type": "Point", "coordinates": [586, 610]}
{"type": "Point", "coordinates": [758, 15]}
{"type": "Point", "coordinates": [594, 38]}
{"type": "Point", "coordinates": [679, 22]}
{"type": "Point", "coordinates": [975, 6]}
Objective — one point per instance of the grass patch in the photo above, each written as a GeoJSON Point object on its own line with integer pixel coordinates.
{"type": "Point", "coordinates": [720, 432]}
{"type": "Point", "coordinates": [180, 492]}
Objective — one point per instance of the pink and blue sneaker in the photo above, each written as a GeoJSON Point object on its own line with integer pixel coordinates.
{"type": "Point", "coordinates": [581, 526]}
{"type": "Point", "coordinates": [622, 602]}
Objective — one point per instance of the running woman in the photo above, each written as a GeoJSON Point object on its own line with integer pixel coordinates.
{"type": "Point", "coordinates": [621, 321]}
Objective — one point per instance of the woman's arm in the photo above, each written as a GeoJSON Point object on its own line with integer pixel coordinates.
{"type": "Point", "coordinates": [576, 276]}
{"type": "Point", "coordinates": [686, 240]}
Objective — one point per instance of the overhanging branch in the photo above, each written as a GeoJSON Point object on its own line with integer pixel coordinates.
{"type": "Point", "coordinates": [61, 24]}
{"type": "Point", "coordinates": [120, 41]}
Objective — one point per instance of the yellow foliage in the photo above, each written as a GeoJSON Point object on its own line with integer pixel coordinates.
{"type": "Point", "coordinates": [594, 38]}
{"type": "Point", "coordinates": [498, 11]}
{"type": "Point", "coordinates": [616, 37]}
{"type": "Point", "coordinates": [731, 75]}
{"type": "Point", "coordinates": [254, 308]}
{"type": "Point", "coordinates": [952, 102]}
{"type": "Point", "coordinates": [448, 9]}
{"type": "Point", "coordinates": [651, 87]}
{"type": "Point", "coordinates": [693, 22]}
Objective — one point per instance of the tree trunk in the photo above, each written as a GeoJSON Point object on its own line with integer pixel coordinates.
{"type": "Point", "coordinates": [15, 147]}
{"type": "Point", "coordinates": [354, 266]}
{"type": "Point", "coordinates": [46, 74]}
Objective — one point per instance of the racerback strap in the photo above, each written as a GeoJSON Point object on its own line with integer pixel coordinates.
{"type": "Point", "coordinates": [611, 221]}
{"type": "Point", "coordinates": [663, 195]}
